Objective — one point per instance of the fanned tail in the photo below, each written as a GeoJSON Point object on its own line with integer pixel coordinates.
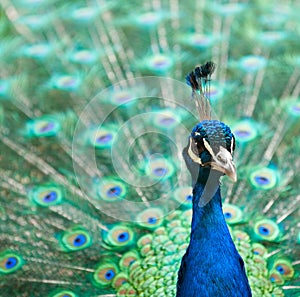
{"type": "Point", "coordinates": [94, 196]}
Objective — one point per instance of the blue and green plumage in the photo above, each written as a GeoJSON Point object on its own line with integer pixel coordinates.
{"type": "Point", "coordinates": [211, 265]}
{"type": "Point", "coordinates": [95, 198]}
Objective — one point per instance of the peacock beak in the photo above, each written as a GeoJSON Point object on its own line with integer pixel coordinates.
{"type": "Point", "coordinates": [223, 162]}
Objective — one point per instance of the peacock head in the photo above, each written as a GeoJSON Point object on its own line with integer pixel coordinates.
{"type": "Point", "coordinates": [210, 148]}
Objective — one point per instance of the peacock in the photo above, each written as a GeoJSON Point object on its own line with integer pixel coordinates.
{"type": "Point", "coordinates": [208, 156]}
{"type": "Point", "coordinates": [103, 142]}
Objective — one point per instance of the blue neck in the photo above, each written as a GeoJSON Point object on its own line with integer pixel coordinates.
{"type": "Point", "coordinates": [209, 219]}
{"type": "Point", "coordinates": [211, 264]}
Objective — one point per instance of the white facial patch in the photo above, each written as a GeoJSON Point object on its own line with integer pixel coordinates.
{"type": "Point", "coordinates": [208, 147]}
{"type": "Point", "coordinates": [192, 155]}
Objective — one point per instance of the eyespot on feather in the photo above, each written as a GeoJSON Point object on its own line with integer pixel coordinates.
{"type": "Point", "coordinates": [10, 262]}
{"type": "Point", "coordinates": [245, 131]}
{"type": "Point", "coordinates": [264, 178]}
{"type": "Point", "coordinates": [119, 236]}
{"type": "Point", "coordinates": [83, 56]}
{"type": "Point", "coordinates": [128, 259]}
{"type": "Point", "coordinates": [184, 195]}
{"type": "Point", "coordinates": [232, 214]}
{"type": "Point", "coordinates": [75, 239]}
{"type": "Point", "coordinates": [65, 82]}
{"type": "Point", "coordinates": [102, 138]}
{"type": "Point", "coordinates": [267, 230]}
{"type": "Point", "coordinates": [166, 119]}
{"type": "Point", "coordinates": [275, 277]}
{"type": "Point", "coordinates": [285, 268]}
{"type": "Point", "coordinates": [124, 97]}
{"type": "Point", "coordinates": [150, 218]}
{"type": "Point", "coordinates": [111, 190]}
{"type": "Point", "coordinates": [160, 168]}
{"type": "Point", "coordinates": [198, 40]}
{"type": "Point", "coordinates": [158, 63]}
{"type": "Point", "coordinates": [241, 235]}
{"type": "Point", "coordinates": [252, 63]}
{"type": "Point", "coordinates": [259, 249]}
{"type": "Point", "coordinates": [43, 127]}
{"type": "Point", "coordinates": [149, 19]}
{"type": "Point", "coordinates": [83, 14]}
{"type": "Point", "coordinates": [105, 273]}
{"type": "Point", "coordinates": [46, 195]}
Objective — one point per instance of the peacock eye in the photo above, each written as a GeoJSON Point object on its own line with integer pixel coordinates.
{"type": "Point", "coordinates": [11, 262]}
{"type": "Point", "coordinates": [109, 274]}
{"type": "Point", "coordinates": [80, 240]}
{"type": "Point", "coordinates": [200, 146]}
{"type": "Point", "coordinates": [122, 237]}
{"type": "Point", "coordinates": [50, 197]}
{"type": "Point", "coordinates": [221, 159]}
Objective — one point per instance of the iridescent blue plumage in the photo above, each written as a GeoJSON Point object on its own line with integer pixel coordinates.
{"type": "Point", "coordinates": [211, 265]}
